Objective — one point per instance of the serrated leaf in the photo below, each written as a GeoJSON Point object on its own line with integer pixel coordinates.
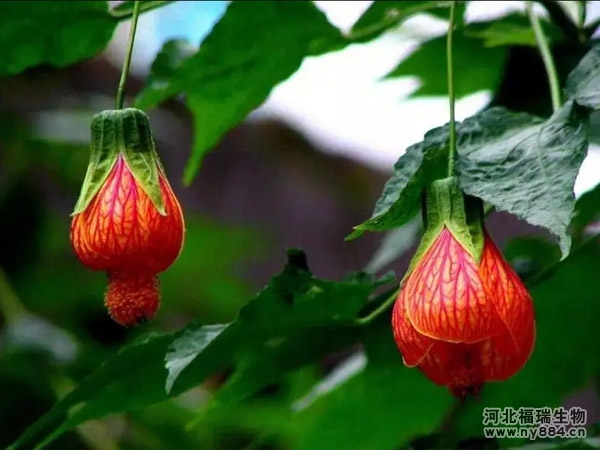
{"type": "Point", "coordinates": [415, 169]}
{"type": "Point", "coordinates": [384, 15]}
{"type": "Point", "coordinates": [527, 170]}
{"type": "Point", "coordinates": [254, 46]}
{"type": "Point", "coordinates": [428, 64]}
{"type": "Point", "coordinates": [295, 311]}
{"type": "Point", "coordinates": [515, 161]}
{"type": "Point", "coordinates": [583, 83]}
{"type": "Point", "coordinates": [286, 314]}
{"type": "Point", "coordinates": [50, 32]}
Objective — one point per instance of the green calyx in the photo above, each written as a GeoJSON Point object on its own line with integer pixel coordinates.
{"type": "Point", "coordinates": [447, 206]}
{"type": "Point", "coordinates": [123, 132]}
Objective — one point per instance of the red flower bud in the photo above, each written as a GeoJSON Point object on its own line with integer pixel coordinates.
{"type": "Point", "coordinates": [130, 224]}
{"type": "Point", "coordinates": [463, 322]}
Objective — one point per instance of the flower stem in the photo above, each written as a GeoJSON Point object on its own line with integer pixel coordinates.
{"type": "Point", "coordinates": [388, 302]}
{"type": "Point", "coordinates": [451, 96]}
{"type": "Point", "coordinates": [542, 43]}
{"type": "Point", "coordinates": [127, 62]}
{"type": "Point", "coordinates": [148, 5]}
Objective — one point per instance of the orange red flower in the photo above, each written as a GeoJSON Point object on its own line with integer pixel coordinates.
{"type": "Point", "coordinates": [463, 322]}
{"type": "Point", "coordinates": [120, 230]}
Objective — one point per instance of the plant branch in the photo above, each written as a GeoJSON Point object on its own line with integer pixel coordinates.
{"type": "Point", "coordinates": [374, 30]}
{"type": "Point", "coordinates": [542, 43]}
{"type": "Point", "coordinates": [123, 14]}
{"type": "Point", "coordinates": [561, 19]}
{"type": "Point", "coordinates": [582, 15]}
{"type": "Point", "coordinates": [591, 28]}
{"type": "Point", "coordinates": [451, 96]}
{"type": "Point", "coordinates": [127, 62]}
{"type": "Point", "coordinates": [379, 310]}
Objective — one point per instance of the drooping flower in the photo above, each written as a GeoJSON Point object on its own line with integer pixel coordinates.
{"type": "Point", "coordinates": [462, 316]}
{"type": "Point", "coordinates": [127, 221]}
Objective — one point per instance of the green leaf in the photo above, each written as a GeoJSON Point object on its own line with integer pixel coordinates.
{"type": "Point", "coordinates": [384, 15]}
{"type": "Point", "coordinates": [565, 300]}
{"type": "Point", "coordinates": [524, 166]}
{"type": "Point", "coordinates": [288, 313]}
{"type": "Point", "coordinates": [415, 170]}
{"type": "Point", "coordinates": [512, 29]}
{"type": "Point", "coordinates": [184, 349]}
{"type": "Point", "coordinates": [380, 408]}
{"type": "Point", "coordinates": [428, 64]}
{"type": "Point", "coordinates": [587, 211]}
{"type": "Point", "coordinates": [296, 310]}
{"type": "Point", "coordinates": [50, 32]}
{"type": "Point", "coordinates": [515, 161]}
{"type": "Point", "coordinates": [254, 46]}
{"type": "Point", "coordinates": [133, 378]}
{"type": "Point", "coordinates": [168, 62]}
{"type": "Point", "coordinates": [583, 83]}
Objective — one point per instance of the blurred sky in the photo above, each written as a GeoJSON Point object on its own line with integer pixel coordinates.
{"type": "Point", "coordinates": [337, 100]}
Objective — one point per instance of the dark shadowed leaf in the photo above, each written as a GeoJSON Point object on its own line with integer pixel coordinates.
{"type": "Point", "coordinates": [296, 318]}
{"type": "Point", "coordinates": [512, 29]}
{"type": "Point", "coordinates": [254, 46]}
{"type": "Point", "coordinates": [275, 329]}
{"type": "Point", "coordinates": [428, 64]}
{"type": "Point", "coordinates": [380, 408]}
{"type": "Point", "coordinates": [400, 200]}
{"type": "Point", "coordinates": [50, 32]}
{"type": "Point", "coordinates": [583, 84]}
{"type": "Point", "coordinates": [133, 378]}
{"type": "Point", "coordinates": [527, 170]}
{"type": "Point", "coordinates": [587, 211]}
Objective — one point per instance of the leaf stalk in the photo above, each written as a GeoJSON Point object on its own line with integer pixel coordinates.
{"type": "Point", "coordinates": [543, 45]}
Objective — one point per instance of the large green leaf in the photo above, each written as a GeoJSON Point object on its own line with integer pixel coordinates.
{"type": "Point", "coordinates": [254, 46]}
{"type": "Point", "coordinates": [380, 408]}
{"type": "Point", "coordinates": [51, 32]}
{"type": "Point", "coordinates": [295, 311]}
{"type": "Point", "coordinates": [287, 315]}
{"type": "Point", "coordinates": [527, 170]}
{"type": "Point", "coordinates": [515, 161]}
{"type": "Point", "coordinates": [416, 168]}
{"type": "Point", "coordinates": [428, 64]}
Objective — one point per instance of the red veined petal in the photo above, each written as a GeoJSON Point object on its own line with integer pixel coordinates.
{"type": "Point", "coordinates": [445, 299]}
